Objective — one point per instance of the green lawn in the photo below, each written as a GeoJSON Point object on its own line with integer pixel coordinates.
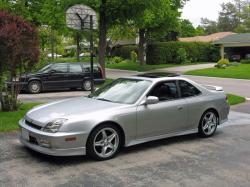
{"type": "Point", "coordinates": [235, 99]}
{"type": "Point", "coordinates": [239, 72]}
{"type": "Point", "coordinates": [136, 67]}
{"type": "Point", "coordinates": [9, 120]}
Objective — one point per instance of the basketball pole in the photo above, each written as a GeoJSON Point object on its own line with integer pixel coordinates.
{"type": "Point", "coordinates": [91, 54]}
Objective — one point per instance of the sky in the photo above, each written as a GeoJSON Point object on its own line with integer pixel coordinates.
{"type": "Point", "coordinates": [194, 10]}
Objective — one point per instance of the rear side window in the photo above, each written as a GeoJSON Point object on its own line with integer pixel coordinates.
{"type": "Point", "coordinates": [60, 68]}
{"type": "Point", "coordinates": [75, 68]}
{"type": "Point", "coordinates": [188, 90]}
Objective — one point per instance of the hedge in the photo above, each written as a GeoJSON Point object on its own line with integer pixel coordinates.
{"type": "Point", "coordinates": [124, 51]}
{"type": "Point", "coordinates": [167, 52]}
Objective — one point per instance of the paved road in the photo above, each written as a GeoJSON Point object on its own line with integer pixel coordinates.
{"type": "Point", "coordinates": [223, 160]}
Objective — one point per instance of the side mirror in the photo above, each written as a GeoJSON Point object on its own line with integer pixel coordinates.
{"type": "Point", "coordinates": [151, 100]}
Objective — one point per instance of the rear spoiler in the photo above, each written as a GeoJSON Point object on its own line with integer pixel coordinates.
{"type": "Point", "coordinates": [214, 88]}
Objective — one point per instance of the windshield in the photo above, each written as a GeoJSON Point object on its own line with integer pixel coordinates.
{"type": "Point", "coordinates": [45, 69]}
{"type": "Point", "coordinates": [126, 91]}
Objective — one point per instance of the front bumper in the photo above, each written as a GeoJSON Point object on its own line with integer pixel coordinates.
{"type": "Point", "coordinates": [23, 86]}
{"type": "Point", "coordinates": [55, 144]}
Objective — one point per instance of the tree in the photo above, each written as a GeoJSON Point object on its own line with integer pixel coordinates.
{"type": "Point", "coordinates": [187, 29]}
{"type": "Point", "coordinates": [19, 49]}
{"type": "Point", "coordinates": [159, 16]}
{"type": "Point", "coordinates": [209, 26]}
{"type": "Point", "coordinates": [228, 19]}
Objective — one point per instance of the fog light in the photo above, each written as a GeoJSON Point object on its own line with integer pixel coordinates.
{"type": "Point", "coordinates": [44, 143]}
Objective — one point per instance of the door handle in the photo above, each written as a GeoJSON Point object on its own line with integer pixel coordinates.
{"type": "Point", "coordinates": [179, 107]}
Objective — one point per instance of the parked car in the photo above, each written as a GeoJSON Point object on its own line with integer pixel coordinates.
{"type": "Point", "coordinates": [235, 58]}
{"type": "Point", "coordinates": [126, 112]}
{"type": "Point", "coordinates": [55, 55]}
{"type": "Point", "coordinates": [60, 76]}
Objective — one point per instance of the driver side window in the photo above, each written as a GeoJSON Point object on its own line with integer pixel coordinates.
{"type": "Point", "coordinates": [165, 91]}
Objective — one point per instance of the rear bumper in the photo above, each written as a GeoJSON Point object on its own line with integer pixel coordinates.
{"type": "Point", "coordinates": [54, 144]}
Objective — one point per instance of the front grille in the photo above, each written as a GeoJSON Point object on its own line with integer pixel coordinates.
{"type": "Point", "coordinates": [33, 125]}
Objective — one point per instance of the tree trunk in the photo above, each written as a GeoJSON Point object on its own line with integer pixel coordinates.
{"type": "Point", "coordinates": [78, 47]}
{"type": "Point", "coordinates": [1, 87]}
{"type": "Point", "coordinates": [102, 36]}
{"type": "Point", "coordinates": [52, 45]}
{"type": "Point", "coordinates": [141, 50]}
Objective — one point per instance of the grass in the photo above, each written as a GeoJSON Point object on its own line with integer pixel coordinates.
{"type": "Point", "coordinates": [239, 72]}
{"type": "Point", "coordinates": [235, 99]}
{"type": "Point", "coordinates": [9, 120]}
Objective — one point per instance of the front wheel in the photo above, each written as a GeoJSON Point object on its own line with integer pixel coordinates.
{"type": "Point", "coordinates": [208, 124]}
{"type": "Point", "coordinates": [35, 87]}
{"type": "Point", "coordinates": [104, 142]}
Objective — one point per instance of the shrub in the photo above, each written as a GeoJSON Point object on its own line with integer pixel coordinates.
{"type": "Point", "coordinates": [222, 63]}
{"type": "Point", "coordinates": [124, 51]}
{"type": "Point", "coordinates": [167, 52]}
{"type": "Point", "coordinates": [181, 56]}
{"type": "Point", "coordinates": [245, 61]}
{"type": "Point", "coordinates": [133, 56]}
{"type": "Point", "coordinates": [117, 60]}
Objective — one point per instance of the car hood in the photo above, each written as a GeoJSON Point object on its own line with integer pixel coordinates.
{"type": "Point", "coordinates": [66, 108]}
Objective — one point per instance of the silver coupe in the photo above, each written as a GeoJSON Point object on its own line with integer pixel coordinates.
{"type": "Point", "coordinates": [126, 112]}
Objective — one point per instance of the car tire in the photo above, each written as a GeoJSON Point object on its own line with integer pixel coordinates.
{"type": "Point", "coordinates": [35, 87]}
{"type": "Point", "coordinates": [208, 124]}
{"type": "Point", "coordinates": [104, 142]}
{"type": "Point", "coordinates": [86, 85]}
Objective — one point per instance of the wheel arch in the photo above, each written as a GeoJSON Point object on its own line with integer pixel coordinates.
{"type": "Point", "coordinates": [123, 138]}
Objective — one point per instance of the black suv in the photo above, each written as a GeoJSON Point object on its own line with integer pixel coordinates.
{"type": "Point", "coordinates": [61, 76]}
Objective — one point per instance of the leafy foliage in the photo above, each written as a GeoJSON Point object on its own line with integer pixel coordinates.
{"type": "Point", "coordinates": [171, 52]}
{"type": "Point", "coordinates": [19, 49]}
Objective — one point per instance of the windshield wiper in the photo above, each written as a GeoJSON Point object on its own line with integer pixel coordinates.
{"type": "Point", "coordinates": [102, 99]}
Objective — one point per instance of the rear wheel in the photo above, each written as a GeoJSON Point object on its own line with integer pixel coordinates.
{"type": "Point", "coordinates": [104, 142]}
{"type": "Point", "coordinates": [35, 87]}
{"type": "Point", "coordinates": [86, 85]}
{"type": "Point", "coordinates": [208, 124]}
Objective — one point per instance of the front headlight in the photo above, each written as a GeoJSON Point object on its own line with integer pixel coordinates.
{"type": "Point", "coordinates": [54, 125]}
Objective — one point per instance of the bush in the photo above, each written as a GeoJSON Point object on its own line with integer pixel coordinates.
{"type": "Point", "coordinates": [124, 51]}
{"type": "Point", "coordinates": [133, 56]}
{"type": "Point", "coordinates": [117, 60]}
{"type": "Point", "coordinates": [245, 61]}
{"type": "Point", "coordinates": [181, 56]}
{"type": "Point", "coordinates": [167, 52]}
{"type": "Point", "coordinates": [222, 63]}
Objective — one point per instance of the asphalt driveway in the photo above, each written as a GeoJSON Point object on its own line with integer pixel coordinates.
{"type": "Point", "coordinates": [223, 160]}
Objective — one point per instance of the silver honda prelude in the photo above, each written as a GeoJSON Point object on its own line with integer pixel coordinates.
{"type": "Point", "coordinates": [126, 112]}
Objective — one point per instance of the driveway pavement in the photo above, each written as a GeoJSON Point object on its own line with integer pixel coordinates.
{"type": "Point", "coordinates": [223, 160]}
